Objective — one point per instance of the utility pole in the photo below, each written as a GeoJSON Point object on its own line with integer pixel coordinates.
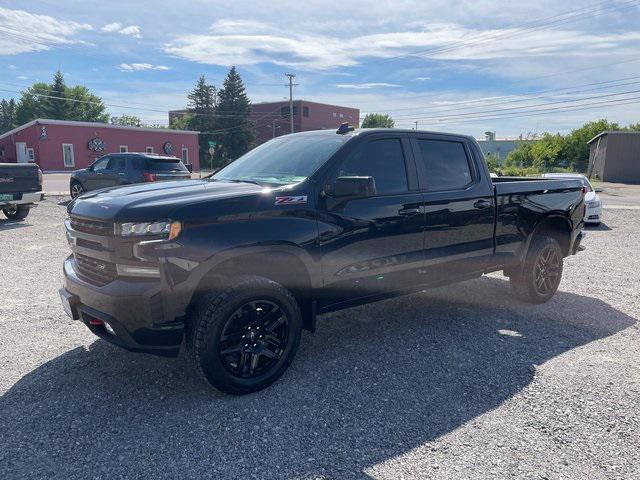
{"type": "Point", "coordinates": [291, 77]}
{"type": "Point", "coordinates": [416, 125]}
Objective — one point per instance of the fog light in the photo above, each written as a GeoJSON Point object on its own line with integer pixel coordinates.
{"type": "Point", "coordinates": [137, 271]}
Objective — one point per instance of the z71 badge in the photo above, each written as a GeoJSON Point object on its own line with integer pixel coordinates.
{"type": "Point", "coordinates": [291, 200]}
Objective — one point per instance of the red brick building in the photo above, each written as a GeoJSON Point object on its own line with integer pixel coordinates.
{"type": "Point", "coordinates": [271, 119]}
{"type": "Point", "coordinates": [60, 145]}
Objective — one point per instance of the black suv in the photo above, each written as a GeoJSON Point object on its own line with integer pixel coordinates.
{"type": "Point", "coordinates": [117, 169]}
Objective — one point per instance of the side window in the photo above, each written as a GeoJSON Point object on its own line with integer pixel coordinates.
{"type": "Point", "coordinates": [381, 159]}
{"type": "Point", "coordinates": [116, 164]}
{"type": "Point", "coordinates": [446, 164]}
{"type": "Point", "coordinates": [101, 164]}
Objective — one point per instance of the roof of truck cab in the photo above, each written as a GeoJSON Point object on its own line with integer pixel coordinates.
{"type": "Point", "coordinates": [367, 131]}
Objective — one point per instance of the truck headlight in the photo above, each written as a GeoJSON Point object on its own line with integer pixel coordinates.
{"type": "Point", "coordinates": [167, 229]}
{"type": "Point", "coordinates": [595, 204]}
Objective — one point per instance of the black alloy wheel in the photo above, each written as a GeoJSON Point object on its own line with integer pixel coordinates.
{"type": "Point", "coordinates": [243, 337]}
{"type": "Point", "coordinates": [547, 270]}
{"type": "Point", "coordinates": [253, 339]}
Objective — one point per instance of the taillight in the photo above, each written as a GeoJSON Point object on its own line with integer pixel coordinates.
{"type": "Point", "coordinates": [148, 177]}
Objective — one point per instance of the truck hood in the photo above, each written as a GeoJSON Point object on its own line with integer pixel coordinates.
{"type": "Point", "coordinates": [149, 201]}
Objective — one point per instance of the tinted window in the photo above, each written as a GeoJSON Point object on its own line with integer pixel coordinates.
{"type": "Point", "coordinates": [446, 164]}
{"type": "Point", "coordinates": [381, 159]}
{"type": "Point", "coordinates": [100, 164]}
{"type": "Point", "coordinates": [116, 164]}
{"type": "Point", "coordinates": [160, 165]}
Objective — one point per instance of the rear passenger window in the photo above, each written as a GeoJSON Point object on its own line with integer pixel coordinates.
{"type": "Point", "coordinates": [381, 159]}
{"type": "Point", "coordinates": [446, 164]}
{"type": "Point", "coordinates": [116, 164]}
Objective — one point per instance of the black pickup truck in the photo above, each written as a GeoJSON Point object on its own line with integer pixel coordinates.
{"type": "Point", "coordinates": [238, 264]}
{"type": "Point", "coordinates": [20, 189]}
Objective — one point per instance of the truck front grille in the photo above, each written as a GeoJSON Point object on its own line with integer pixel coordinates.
{"type": "Point", "coordinates": [94, 227]}
{"type": "Point", "coordinates": [94, 271]}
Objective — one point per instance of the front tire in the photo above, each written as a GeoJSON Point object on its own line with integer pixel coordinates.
{"type": "Point", "coordinates": [18, 212]}
{"type": "Point", "coordinates": [540, 275]}
{"type": "Point", "coordinates": [245, 337]}
{"type": "Point", "coordinates": [76, 189]}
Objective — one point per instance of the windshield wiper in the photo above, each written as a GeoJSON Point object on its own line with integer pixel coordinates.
{"type": "Point", "coordinates": [242, 181]}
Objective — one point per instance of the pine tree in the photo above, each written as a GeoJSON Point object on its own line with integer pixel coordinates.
{"type": "Point", "coordinates": [201, 107]}
{"type": "Point", "coordinates": [56, 104]}
{"type": "Point", "coordinates": [233, 109]}
{"type": "Point", "coordinates": [7, 115]}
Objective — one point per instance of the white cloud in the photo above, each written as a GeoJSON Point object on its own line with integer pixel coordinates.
{"type": "Point", "coordinates": [112, 27]}
{"type": "Point", "coordinates": [12, 67]}
{"type": "Point", "coordinates": [422, 79]}
{"type": "Point", "coordinates": [367, 86]}
{"type": "Point", "coordinates": [231, 42]}
{"type": "Point", "coordinates": [133, 67]}
{"type": "Point", "coordinates": [22, 77]}
{"type": "Point", "coordinates": [131, 30]}
{"type": "Point", "coordinates": [25, 32]}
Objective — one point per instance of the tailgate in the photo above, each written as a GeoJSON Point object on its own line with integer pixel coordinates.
{"type": "Point", "coordinates": [19, 178]}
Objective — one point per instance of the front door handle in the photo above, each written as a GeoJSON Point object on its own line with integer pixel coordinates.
{"type": "Point", "coordinates": [482, 204]}
{"type": "Point", "coordinates": [408, 212]}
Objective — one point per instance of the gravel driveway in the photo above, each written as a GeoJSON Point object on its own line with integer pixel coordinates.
{"type": "Point", "coordinates": [460, 382]}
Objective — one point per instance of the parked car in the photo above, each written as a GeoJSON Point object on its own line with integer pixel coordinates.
{"type": "Point", "coordinates": [305, 224]}
{"type": "Point", "coordinates": [117, 169]}
{"type": "Point", "coordinates": [593, 210]}
{"type": "Point", "coordinates": [20, 189]}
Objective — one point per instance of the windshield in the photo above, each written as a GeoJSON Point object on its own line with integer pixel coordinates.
{"type": "Point", "coordinates": [283, 160]}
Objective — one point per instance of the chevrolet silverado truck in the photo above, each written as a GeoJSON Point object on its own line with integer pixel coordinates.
{"type": "Point", "coordinates": [233, 267]}
{"type": "Point", "coordinates": [20, 189]}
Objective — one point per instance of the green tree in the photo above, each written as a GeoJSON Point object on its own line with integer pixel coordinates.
{"type": "Point", "coordinates": [55, 103]}
{"type": "Point", "coordinates": [180, 123]}
{"type": "Point", "coordinates": [377, 120]}
{"type": "Point", "coordinates": [7, 115]}
{"type": "Point", "coordinates": [521, 156]}
{"type": "Point", "coordinates": [493, 162]}
{"type": "Point", "coordinates": [201, 107]}
{"type": "Point", "coordinates": [235, 129]}
{"type": "Point", "coordinates": [60, 102]}
{"type": "Point", "coordinates": [547, 152]}
{"type": "Point", "coordinates": [577, 149]}
{"type": "Point", "coordinates": [126, 121]}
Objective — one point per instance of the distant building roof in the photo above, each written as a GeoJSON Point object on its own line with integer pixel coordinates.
{"type": "Point", "coordinates": [45, 121]}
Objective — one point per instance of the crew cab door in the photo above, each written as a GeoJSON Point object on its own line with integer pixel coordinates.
{"type": "Point", "coordinates": [115, 171]}
{"type": "Point", "coordinates": [372, 245]}
{"type": "Point", "coordinates": [459, 207]}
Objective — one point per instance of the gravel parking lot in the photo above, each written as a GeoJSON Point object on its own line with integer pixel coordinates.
{"type": "Point", "coordinates": [460, 382]}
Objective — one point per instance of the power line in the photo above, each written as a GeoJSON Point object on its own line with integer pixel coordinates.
{"type": "Point", "coordinates": [449, 108]}
{"type": "Point", "coordinates": [526, 107]}
{"type": "Point", "coordinates": [535, 25]}
{"type": "Point", "coordinates": [561, 109]}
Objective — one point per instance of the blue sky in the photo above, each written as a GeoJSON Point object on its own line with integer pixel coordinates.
{"type": "Point", "coordinates": [449, 65]}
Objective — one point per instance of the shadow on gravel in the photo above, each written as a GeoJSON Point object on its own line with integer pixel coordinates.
{"type": "Point", "coordinates": [601, 226]}
{"type": "Point", "coordinates": [373, 383]}
{"type": "Point", "coordinates": [12, 224]}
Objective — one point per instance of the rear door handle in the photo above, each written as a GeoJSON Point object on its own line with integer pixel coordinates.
{"type": "Point", "coordinates": [482, 204]}
{"type": "Point", "coordinates": [407, 212]}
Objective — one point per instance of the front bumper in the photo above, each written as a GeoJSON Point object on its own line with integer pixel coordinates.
{"type": "Point", "coordinates": [133, 310]}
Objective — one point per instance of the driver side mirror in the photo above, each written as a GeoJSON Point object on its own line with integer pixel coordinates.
{"type": "Point", "coordinates": [351, 187]}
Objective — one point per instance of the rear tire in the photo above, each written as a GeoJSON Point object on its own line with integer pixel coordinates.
{"type": "Point", "coordinates": [242, 339]}
{"type": "Point", "coordinates": [76, 189]}
{"type": "Point", "coordinates": [18, 212]}
{"type": "Point", "coordinates": [538, 279]}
